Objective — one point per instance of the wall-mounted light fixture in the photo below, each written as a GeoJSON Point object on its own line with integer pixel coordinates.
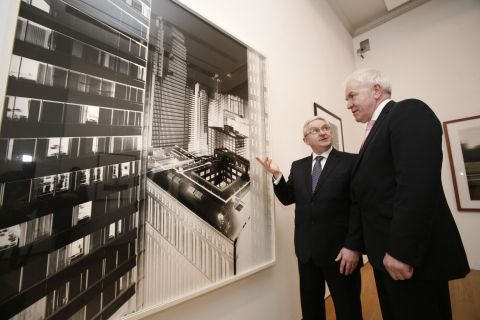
{"type": "Point", "coordinates": [364, 47]}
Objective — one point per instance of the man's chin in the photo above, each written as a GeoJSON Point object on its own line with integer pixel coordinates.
{"type": "Point", "coordinates": [358, 118]}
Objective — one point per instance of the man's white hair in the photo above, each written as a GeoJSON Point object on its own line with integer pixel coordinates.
{"type": "Point", "coordinates": [370, 77]}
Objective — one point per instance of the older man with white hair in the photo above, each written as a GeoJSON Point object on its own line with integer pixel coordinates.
{"type": "Point", "coordinates": [410, 236]}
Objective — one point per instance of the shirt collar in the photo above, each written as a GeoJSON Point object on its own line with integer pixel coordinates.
{"type": "Point", "coordinates": [324, 154]}
{"type": "Point", "coordinates": [379, 109]}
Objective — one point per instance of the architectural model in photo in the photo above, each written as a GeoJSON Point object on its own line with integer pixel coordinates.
{"type": "Point", "coordinates": [208, 214]}
{"type": "Point", "coordinates": [70, 147]}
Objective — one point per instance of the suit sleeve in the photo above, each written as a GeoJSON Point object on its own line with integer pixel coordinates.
{"type": "Point", "coordinates": [284, 190]}
{"type": "Point", "coordinates": [415, 142]}
{"type": "Point", "coordinates": [354, 239]}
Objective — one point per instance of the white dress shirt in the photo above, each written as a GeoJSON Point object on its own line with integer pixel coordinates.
{"type": "Point", "coordinates": [314, 155]}
{"type": "Point", "coordinates": [379, 109]}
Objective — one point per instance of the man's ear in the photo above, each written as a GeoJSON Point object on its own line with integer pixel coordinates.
{"type": "Point", "coordinates": [377, 91]}
{"type": "Point", "coordinates": [306, 141]}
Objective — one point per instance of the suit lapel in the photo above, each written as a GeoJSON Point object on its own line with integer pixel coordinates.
{"type": "Point", "coordinates": [332, 161]}
{"type": "Point", "coordinates": [306, 169]}
{"type": "Point", "coordinates": [371, 136]}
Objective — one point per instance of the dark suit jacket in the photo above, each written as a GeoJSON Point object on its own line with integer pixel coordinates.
{"type": "Point", "coordinates": [397, 186]}
{"type": "Point", "coordinates": [325, 222]}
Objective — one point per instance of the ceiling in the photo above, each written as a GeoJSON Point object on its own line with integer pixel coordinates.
{"type": "Point", "coordinates": [359, 16]}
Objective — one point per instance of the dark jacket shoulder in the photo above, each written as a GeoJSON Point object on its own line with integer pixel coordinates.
{"type": "Point", "coordinates": [299, 161]}
{"type": "Point", "coordinates": [411, 105]}
{"type": "Point", "coordinates": [341, 155]}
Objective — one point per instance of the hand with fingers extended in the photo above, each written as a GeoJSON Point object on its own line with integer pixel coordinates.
{"type": "Point", "coordinates": [270, 166]}
{"type": "Point", "coordinates": [348, 260]}
{"type": "Point", "coordinates": [396, 268]}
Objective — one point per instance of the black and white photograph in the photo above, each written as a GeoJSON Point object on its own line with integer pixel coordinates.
{"type": "Point", "coordinates": [71, 142]}
{"type": "Point", "coordinates": [126, 138]}
{"type": "Point", "coordinates": [207, 209]}
{"type": "Point", "coordinates": [463, 144]}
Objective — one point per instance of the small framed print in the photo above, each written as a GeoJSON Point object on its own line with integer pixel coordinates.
{"type": "Point", "coordinates": [463, 145]}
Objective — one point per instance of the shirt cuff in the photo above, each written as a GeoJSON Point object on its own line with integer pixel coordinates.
{"type": "Point", "coordinates": [276, 181]}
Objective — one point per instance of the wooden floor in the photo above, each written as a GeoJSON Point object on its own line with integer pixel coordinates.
{"type": "Point", "coordinates": [464, 294]}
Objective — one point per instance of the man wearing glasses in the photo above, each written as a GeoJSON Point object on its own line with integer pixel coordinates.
{"type": "Point", "coordinates": [328, 236]}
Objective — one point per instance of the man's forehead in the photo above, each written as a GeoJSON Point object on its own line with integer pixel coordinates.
{"type": "Point", "coordinates": [317, 122]}
{"type": "Point", "coordinates": [353, 85]}
{"type": "Point", "coordinates": [356, 88]}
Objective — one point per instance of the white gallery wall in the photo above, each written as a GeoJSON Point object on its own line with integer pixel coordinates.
{"type": "Point", "coordinates": [432, 53]}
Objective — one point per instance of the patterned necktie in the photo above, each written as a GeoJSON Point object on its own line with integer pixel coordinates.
{"type": "Point", "coordinates": [317, 170]}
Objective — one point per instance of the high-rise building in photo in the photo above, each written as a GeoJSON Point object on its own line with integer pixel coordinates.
{"type": "Point", "coordinates": [169, 121]}
{"type": "Point", "coordinates": [198, 121]}
{"type": "Point", "coordinates": [70, 147]}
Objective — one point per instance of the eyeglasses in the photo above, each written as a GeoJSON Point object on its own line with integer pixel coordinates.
{"type": "Point", "coordinates": [316, 130]}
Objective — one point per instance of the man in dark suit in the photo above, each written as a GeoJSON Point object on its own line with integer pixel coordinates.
{"type": "Point", "coordinates": [327, 229]}
{"type": "Point", "coordinates": [410, 236]}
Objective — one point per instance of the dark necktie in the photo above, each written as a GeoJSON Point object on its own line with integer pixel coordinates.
{"type": "Point", "coordinates": [317, 170]}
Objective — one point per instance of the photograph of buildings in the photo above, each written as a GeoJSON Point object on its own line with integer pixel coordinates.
{"type": "Point", "coordinates": [126, 138]}
{"type": "Point", "coordinates": [208, 212]}
{"type": "Point", "coordinates": [70, 152]}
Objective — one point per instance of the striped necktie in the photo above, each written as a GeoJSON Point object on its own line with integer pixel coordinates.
{"type": "Point", "coordinates": [317, 170]}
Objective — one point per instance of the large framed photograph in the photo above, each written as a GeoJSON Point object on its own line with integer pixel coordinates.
{"type": "Point", "coordinates": [335, 123]}
{"type": "Point", "coordinates": [126, 182]}
{"type": "Point", "coordinates": [463, 144]}
{"type": "Point", "coordinates": [209, 207]}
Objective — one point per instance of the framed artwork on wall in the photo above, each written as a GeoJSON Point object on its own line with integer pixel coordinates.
{"type": "Point", "coordinates": [463, 145]}
{"type": "Point", "coordinates": [206, 101]}
{"type": "Point", "coordinates": [335, 123]}
{"type": "Point", "coordinates": [126, 185]}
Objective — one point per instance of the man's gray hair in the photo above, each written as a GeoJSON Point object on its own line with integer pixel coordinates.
{"type": "Point", "coordinates": [305, 126]}
{"type": "Point", "coordinates": [370, 77]}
